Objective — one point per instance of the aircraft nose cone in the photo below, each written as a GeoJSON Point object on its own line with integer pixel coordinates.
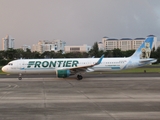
{"type": "Point", "coordinates": [4, 69]}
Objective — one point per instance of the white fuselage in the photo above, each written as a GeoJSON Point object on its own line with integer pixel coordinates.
{"type": "Point", "coordinates": [49, 66]}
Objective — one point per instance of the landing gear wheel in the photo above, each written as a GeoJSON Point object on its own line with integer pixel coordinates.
{"type": "Point", "coordinates": [79, 77]}
{"type": "Point", "coordinates": [20, 77]}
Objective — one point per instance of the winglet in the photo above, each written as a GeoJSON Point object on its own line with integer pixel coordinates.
{"type": "Point", "coordinates": [99, 61]}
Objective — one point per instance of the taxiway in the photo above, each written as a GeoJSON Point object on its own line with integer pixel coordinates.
{"type": "Point", "coordinates": [98, 98]}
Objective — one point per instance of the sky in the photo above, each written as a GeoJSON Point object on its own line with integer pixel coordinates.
{"type": "Point", "coordinates": [77, 22]}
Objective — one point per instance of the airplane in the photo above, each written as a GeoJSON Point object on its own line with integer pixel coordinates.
{"type": "Point", "coordinates": [75, 66]}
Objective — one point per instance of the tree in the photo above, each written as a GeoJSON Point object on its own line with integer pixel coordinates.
{"type": "Point", "coordinates": [109, 53]}
{"type": "Point", "coordinates": [128, 53]}
{"type": "Point", "coordinates": [117, 52]}
{"type": "Point", "coordinates": [19, 54]}
{"type": "Point", "coordinates": [156, 54]}
{"type": "Point", "coordinates": [95, 51]}
{"type": "Point", "coordinates": [1, 55]}
{"type": "Point", "coordinates": [47, 54]}
{"type": "Point", "coordinates": [35, 54]}
{"type": "Point", "coordinates": [10, 54]}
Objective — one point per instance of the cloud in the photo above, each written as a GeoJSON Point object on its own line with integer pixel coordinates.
{"type": "Point", "coordinates": [78, 21]}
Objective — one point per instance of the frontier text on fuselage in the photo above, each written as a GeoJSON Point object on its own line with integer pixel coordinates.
{"type": "Point", "coordinates": [45, 64]}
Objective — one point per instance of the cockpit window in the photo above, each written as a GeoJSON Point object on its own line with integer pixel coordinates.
{"type": "Point", "coordinates": [10, 63]}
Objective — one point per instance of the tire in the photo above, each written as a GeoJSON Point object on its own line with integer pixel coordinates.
{"type": "Point", "coordinates": [20, 78]}
{"type": "Point", "coordinates": [79, 77]}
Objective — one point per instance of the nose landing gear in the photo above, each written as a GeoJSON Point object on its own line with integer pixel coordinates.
{"type": "Point", "coordinates": [20, 77]}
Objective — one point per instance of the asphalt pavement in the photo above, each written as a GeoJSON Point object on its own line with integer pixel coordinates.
{"type": "Point", "coordinates": [93, 98]}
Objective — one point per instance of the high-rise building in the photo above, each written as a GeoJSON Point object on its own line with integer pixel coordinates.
{"type": "Point", "coordinates": [7, 42]}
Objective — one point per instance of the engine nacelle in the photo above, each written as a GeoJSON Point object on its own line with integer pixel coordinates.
{"type": "Point", "coordinates": [63, 73]}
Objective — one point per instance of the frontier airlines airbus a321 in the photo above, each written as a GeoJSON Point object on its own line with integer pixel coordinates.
{"type": "Point", "coordinates": [75, 66]}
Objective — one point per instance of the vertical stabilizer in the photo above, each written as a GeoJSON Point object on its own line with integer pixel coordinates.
{"type": "Point", "coordinates": [141, 56]}
{"type": "Point", "coordinates": [144, 51]}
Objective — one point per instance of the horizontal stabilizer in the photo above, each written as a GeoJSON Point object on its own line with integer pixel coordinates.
{"type": "Point", "coordinates": [148, 60]}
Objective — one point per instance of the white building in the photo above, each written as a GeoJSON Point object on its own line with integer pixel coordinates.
{"type": "Point", "coordinates": [83, 48]}
{"type": "Point", "coordinates": [7, 42]}
{"type": "Point", "coordinates": [124, 43]}
{"type": "Point", "coordinates": [137, 42]}
{"type": "Point", "coordinates": [25, 47]}
{"type": "Point", "coordinates": [58, 45]}
{"type": "Point", "coordinates": [100, 46]}
{"type": "Point", "coordinates": [45, 45]}
{"type": "Point", "coordinates": [104, 43]}
{"type": "Point", "coordinates": [158, 44]}
{"type": "Point", "coordinates": [110, 44]}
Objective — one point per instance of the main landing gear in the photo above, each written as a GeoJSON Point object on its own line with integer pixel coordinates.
{"type": "Point", "coordinates": [79, 77]}
{"type": "Point", "coordinates": [20, 77]}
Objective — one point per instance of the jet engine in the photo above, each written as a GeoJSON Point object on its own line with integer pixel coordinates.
{"type": "Point", "coordinates": [63, 73]}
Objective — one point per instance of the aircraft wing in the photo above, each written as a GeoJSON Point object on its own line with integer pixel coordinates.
{"type": "Point", "coordinates": [85, 67]}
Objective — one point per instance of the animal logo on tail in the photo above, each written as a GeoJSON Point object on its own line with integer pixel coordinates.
{"type": "Point", "coordinates": [145, 51]}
